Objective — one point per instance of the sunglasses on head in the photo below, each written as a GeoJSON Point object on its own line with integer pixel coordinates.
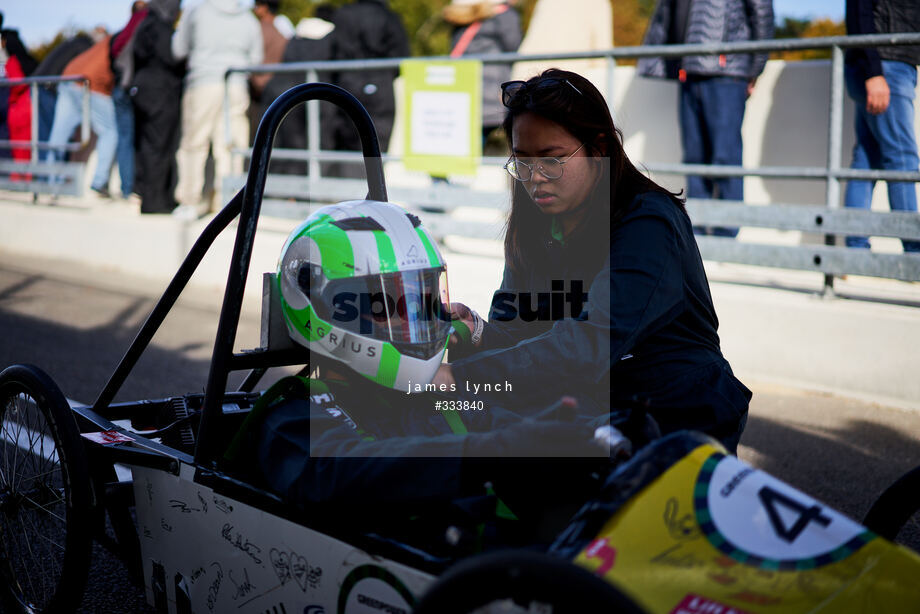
{"type": "Point", "coordinates": [512, 91]}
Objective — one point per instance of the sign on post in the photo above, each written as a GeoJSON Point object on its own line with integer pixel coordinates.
{"type": "Point", "coordinates": [443, 116]}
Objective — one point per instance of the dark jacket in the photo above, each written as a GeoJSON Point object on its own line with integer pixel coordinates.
{"type": "Point", "coordinates": [292, 134]}
{"type": "Point", "coordinates": [649, 331]}
{"type": "Point", "coordinates": [121, 50]}
{"type": "Point", "coordinates": [156, 92]}
{"type": "Point", "coordinates": [369, 29]}
{"type": "Point", "coordinates": [357, 442]}
{"type": "Point", "coordinates": [157, 74]}
{"type": "Point", "coordinates": [708, 21]}
{"type": "Point", "coordinates": [345, 443]}
{"type": "Point", "coordinates": [60, 56]}
{"type": "Point", "coordinates": [881, 17]}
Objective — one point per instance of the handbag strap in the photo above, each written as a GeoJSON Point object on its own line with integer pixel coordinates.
{"type": "Point", "coordinates": [465, 39]}
{"type": "Point", "coordinates": [470, 33]}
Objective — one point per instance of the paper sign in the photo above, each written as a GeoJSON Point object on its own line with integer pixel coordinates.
{"type": "Point", "coordinates": [444, 116]}
{"type": "Point", "coordinates": [440, 123]}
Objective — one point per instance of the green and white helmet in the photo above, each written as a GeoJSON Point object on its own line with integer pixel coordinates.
{"type": "Point", "coordinates": [361, 283]}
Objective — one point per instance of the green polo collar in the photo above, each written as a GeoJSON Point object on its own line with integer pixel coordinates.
{"type": "Point", "coordinates": [555, 231]}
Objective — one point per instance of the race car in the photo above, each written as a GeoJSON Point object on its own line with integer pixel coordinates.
{"type": "Point", "coordinates": [675, 526]}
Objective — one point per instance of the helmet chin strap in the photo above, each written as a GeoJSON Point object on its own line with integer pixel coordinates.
{"type": "Point", "coordinates": [330, 369]}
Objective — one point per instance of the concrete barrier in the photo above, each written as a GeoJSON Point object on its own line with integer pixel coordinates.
{"type": "Point", "coordinates": [774, 327]}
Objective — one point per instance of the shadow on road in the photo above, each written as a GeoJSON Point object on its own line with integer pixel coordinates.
{"type": "Point", "coordinates": [44, 322]}
{"type": "Point", "coordinates": [81, 359]}
{"type": "Point", "coordinates": [78, 334]}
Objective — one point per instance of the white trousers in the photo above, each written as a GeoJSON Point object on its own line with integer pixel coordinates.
{"type": "Point", "coordinates": [203, 126]}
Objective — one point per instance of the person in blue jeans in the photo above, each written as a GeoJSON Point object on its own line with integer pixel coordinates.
{"type": "Point", "coordinates": [711, 111]}
{"type": "Point", "coordinates": [713, 88]}
{"type": "Point", "coordinates": [121, 53]}
{"type": "Point", "coordinates": [882, 83]}
{"type": "Point", "coordinates": [52, 66]}
{"type": "Point", "coordinates": [124, 124]}
{"type": "Point", "coordinates": [68, 111]}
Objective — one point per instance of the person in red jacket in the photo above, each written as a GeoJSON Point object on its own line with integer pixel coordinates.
{"type": "Point", "coordinates": [19, 114]}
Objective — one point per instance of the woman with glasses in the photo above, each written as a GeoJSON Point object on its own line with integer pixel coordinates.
{"type": "Point", "coordinates": [604, 296]}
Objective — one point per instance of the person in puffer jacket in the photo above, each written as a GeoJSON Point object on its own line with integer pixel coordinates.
{"type": "Point", "coordinates": [713, 88]}
{"type": "Point", "coordinates": [483, 27]}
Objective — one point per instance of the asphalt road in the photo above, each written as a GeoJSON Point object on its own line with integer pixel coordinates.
{"type": "Point", "coordinates": [75, 323]}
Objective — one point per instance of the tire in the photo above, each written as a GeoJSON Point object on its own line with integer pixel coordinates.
{"type": "Point", "coordinates": [525, 578]}
{"type": "Point", "coordinates": [894, 507]}
{"type": "Point", "coordinates": [46, 497]}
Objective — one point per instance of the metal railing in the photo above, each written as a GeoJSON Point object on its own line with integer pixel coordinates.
{"type": "Point", "coordinates": [829, 220]}
{"type": "Point", "coordinates": [35, 175]}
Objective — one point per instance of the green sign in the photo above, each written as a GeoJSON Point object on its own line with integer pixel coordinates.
{"type": "Point", "coordinates": [443, 116]}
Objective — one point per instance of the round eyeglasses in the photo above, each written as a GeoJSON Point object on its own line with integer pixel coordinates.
{"type": "Point", "coordinates": [551, 168]}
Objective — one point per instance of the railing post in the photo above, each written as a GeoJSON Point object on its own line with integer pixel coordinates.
{"type": "Point", "coordinates": [834, 145]}
{"type": "Point", "coordinates": [33, 131]}
{"type": "Point", "coordinates": [313, 140]}
{"type": "Point", "coordinates": [33, 139]}
{"type": "Point", "coordinates": [228, 132]}
{"type": "Point", "coordinates": [610, 63]}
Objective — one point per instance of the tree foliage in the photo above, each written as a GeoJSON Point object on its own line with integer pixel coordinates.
{"type": "Point", "coordinates": [630, 20]}
{"type": "Point", "coordinates": [791, 27]}
{"type": "Point", "coordinates": [40, 52]}
{"type": "Point", "coordinates": [631, 17]}
{"type": "Point", "coordinates": [799, 28]}
{"type": "Point", "coordinates": [428, 33]}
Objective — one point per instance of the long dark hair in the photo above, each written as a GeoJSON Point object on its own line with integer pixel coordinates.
{"type": "Point", "coordinates": [574, 103]}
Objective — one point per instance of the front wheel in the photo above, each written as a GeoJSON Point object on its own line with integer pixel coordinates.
{"type": "Point", "coordinates": [46, 497]}
{"type": "Point", "coordinates": [895, 507]}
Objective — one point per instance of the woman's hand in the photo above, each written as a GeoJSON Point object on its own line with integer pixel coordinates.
{"type": "Point", "coordinates": [444, 376]}
{"type": "Point", "coordinates": [468, 317]}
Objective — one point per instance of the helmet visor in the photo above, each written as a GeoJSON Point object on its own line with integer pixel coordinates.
{"type": "Point", "coordinates": [404, 308]}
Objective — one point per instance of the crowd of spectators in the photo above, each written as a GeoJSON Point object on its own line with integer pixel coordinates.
{"type": "Point", "coordinates": [159, 109]}
{"type": "Point", "coordinates": [157, 101]}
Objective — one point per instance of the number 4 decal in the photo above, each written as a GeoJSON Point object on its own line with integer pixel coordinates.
{"type": "Point", "coordinates": [772, 499]}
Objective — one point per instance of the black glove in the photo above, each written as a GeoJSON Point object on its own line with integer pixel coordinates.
{"type": "Point", "coordinates": [552, 452]}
